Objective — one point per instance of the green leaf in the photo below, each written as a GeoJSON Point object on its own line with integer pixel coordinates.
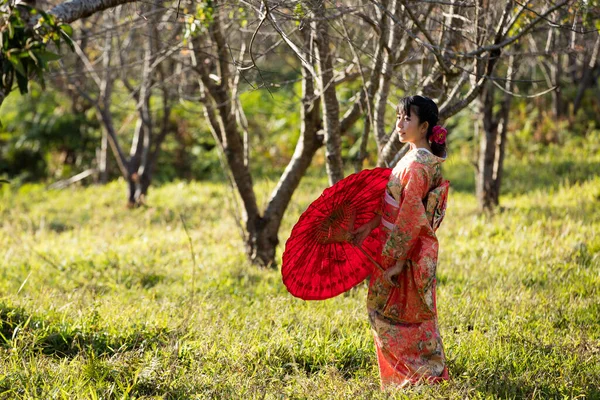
{"type": "Point", "coordinates": [48, 56]}
{"type": "Point", "coordinates": [22, 82]}
{"type": "Point", "coordinates": [40, 74]}
{"type": "Point", "coordinates": [68, 40]}
{"type": "Point", "coordinates": [67, 29]}
{"type": "Point", "coordinates": [48, 18]}
{"type": "Point", "coordinates": [33, 57]}
{"type": "Point", "coordinates": [45, 57]}
{"type": "Point", "coordinates": [16, 62]}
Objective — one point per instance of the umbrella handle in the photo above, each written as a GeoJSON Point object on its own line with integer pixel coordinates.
{"type": "Point", "coordinates": [370, 258]}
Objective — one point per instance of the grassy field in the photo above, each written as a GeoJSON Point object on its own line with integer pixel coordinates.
{"type": "Point", "coordinates": [97, 301]}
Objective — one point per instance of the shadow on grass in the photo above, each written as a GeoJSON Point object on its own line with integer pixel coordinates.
{"type": "Point", "coordinates": [64, 340]}
{"type": "Point", "coordinates": [285, 359]}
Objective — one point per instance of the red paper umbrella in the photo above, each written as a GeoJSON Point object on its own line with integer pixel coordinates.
{"type": "Point", "coordinates": [319, 261]}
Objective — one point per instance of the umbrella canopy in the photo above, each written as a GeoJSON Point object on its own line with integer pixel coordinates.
{"type": "Point", "coordinates": [319, 261]}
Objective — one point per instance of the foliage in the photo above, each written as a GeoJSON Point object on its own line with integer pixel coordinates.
{"type": "Point", "coordinates": [40, 136]}
{"type": "Point", "coordinates": [102, 302]}
{"type": "Point", "coordinates": [24, 48]}
{"type": "Point", "coordinates": [199, 22]}
{"type": "Point", "coordinates": [274, 125]}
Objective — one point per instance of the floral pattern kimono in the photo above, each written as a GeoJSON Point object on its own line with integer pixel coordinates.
{"type": "Point", "coordinates": [404, 317]}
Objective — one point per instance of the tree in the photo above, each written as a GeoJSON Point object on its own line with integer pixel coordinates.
{"type": "Point", "coordinates": [26, 30]}
{"type": "Point", "coordinates": [353, 60]}
{"type": "Point", "coordinates": [327, 90]}
{"type": "Point", "coordinates": [452, 66]}
{"type": "Point", "coordinates": [455, 69]}
{"type": "Point", "coordinates": [493, 141]}
{"type": "Point", "coordinates": [219, 89]}
{"type": "Point", "coordinates": [24, 50]}
{"type": "Point", "coordinates": [109, 66]}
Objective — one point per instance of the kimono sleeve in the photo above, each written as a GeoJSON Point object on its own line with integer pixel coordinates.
{"type": "Point", "coordinates": [411, 219]}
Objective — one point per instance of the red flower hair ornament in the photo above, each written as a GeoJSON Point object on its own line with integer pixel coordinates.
{"type": "Point", "coordinates": [439, 134]}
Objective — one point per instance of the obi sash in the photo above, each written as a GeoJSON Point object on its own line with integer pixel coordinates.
{"type": "Point", "coordinates": [389, 211]}
{"type": "Point", "coordinates": [434, 203]}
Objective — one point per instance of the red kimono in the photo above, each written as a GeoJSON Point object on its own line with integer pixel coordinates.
{"type": "Point", "coordinates": [404, 318]}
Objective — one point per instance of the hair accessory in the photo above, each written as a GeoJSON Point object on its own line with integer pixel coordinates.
{"type": "Point", "coordinates": [439, 134]}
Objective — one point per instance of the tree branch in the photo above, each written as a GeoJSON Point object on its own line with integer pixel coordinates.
{"type": "Point", "coordinates": [432, 46]}
{"type": "Point", "coordinates": [73, 10]}
{"type": "Point", "coordinates": [507, 41]}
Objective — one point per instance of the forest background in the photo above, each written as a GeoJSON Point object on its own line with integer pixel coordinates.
{"type": "Point", "coordinates": [154, 156]}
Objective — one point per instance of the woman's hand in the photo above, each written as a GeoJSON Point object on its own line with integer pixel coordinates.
{"type": "Point", "coordinates": [361, 234]}
{"type": "Point", "coordinates": [391, 273]}
{"type": "Point", "coordinates": [363, 231]}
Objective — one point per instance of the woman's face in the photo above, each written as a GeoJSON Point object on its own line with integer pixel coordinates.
{"type": "Point", "coordinates": [410, 130]}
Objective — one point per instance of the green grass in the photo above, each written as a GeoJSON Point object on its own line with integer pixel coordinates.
{"type": "Point", "coordinates": [97, 301]}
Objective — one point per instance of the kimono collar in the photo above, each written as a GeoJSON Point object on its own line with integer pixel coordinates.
{"type": "Point", "coordinates": [426, 157]}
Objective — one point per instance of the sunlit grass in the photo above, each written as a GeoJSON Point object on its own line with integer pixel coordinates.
{"type": "Point", "coordinates": [98, 301]}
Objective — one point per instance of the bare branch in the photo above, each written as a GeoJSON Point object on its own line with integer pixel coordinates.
{"type": "Point", "coordinates": [500, 28]}
{"type": "Point", "coordinates": [369, 21]}
{"type": "Point", "coordinates": [478, 52]}
{"type": "Point", "coordinates": [448, 111]}
{"type": "Point", "coordinates": [424, 31]}
{"type": "Point", "coordinates": [530, 96]}
{"type": "Point", "coordinates": [301, 56]}
{"type": "Point", "coordinates": [263, 18]}
{"type": "Point", "coordinates": [455, 90]}
{"type": "Point", "coordinates": [507, 41]}
{"type": "Point", "coordinates": [73, 10]}
{"type": "Point", "coordinates": [88, 64]}
{"type": "Point", "coordinates": [513, 21]}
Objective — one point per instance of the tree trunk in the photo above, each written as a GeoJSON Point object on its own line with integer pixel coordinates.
{"type": "Point", "coordinates": [143, 157]}
{"type": "Point", "coordinates": [224, 125]}
{"type": "Point", "coordinates": [266, 239]}
{"type": "Point", "coordinates": [499, 159]}
{"type": "Point", "coordinates": [362, 152]}
{"type": "Point", "coordinates": [485, 189]}
{"type": "Point", "coordinates": [370, 86]}
{"type": "Point", "coordinates": [380, 108]}
{"type": "Point", "coordinates": [260, 231]}
{"type": "Point", "coordinates": [557, 102]}
{"type": "Point", "coordinates": [387, 69]}
{"type": "Point", "coordinates": [152, 159]}
{"type": "Point", "coordinates": [331, 108]}
{"type": "Point", "coordinates": [263, 240]}
{"type": "Point", "coordinates": [103, 159]}
{"type": "Point", "coordinates": [493, 143]}
{"type": "Point", "coordinates": [587, 75]}
{"type": "Point", "coordinates": [132, 187]}
{"type": "Point", "coordinates": [389, 151]}
{"type": "Point", "coordinates": [502, 131]}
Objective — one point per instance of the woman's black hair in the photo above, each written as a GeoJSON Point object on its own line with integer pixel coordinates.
{"type": "Point", "coordinates": [426, 110]}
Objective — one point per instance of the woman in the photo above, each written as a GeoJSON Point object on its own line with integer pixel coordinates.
{"type": "Point", "coordinates": [401, 301]}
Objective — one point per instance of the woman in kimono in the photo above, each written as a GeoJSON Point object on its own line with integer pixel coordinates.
{"type": "Point", "coordinates": [401, 301]}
